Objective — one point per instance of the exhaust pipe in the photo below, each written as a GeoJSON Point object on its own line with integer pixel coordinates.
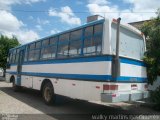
{"type": "Point", "coordinates": [116, 60]}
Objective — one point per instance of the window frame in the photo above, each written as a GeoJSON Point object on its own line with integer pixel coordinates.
{"type": "Point", "coordinates": [56, 52]}
{"type": "Point", "coordinates": [47, 46]}
{"type": "Point", "coordinates": [80, 38]}
{"type": "Point", "coordinates": [29, 49]}
{"type": "Point", "coordinates": [92, 37]}
{"type": "Point", "coordinates": [62, 43]}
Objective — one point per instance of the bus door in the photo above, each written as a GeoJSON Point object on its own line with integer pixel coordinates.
{"type": "Point", "coordinates": [19, 66]}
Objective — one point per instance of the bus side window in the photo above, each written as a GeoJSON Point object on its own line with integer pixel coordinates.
{"type": "Point", "coordinates": [26, 54]}
{"type": "Point", "coordinates": [31, 55]}
{"type": "Point", "coordinates": [34, 51]}
{"type": "Point", "coordinates": [13, 56]}
{"type": "Point", "coordinates": [88, 48]}
{"type": "Point", "coordinates": [98, 30]}
{"type": "Point", "coordinates": [63, 43]}
{"type": "Point", "coordinates": [93, 40]}
{"type": "Point", "coordinates": [10, 57]}
{"type": "Point", "coordinates": [17, 56]}
{"type": "Point", "coordinates": [75, 43]}
{"type": "Point", "coordinates": [49, 48]}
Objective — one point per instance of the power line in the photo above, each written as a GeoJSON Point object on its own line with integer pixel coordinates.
{"type": "Point", "coordinates": [45, 11]}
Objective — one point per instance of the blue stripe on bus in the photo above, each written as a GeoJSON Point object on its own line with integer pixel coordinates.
{"type": "Point", "coordinates": [86, 77]}
{"type": "Point", "coordinates": [133, 62]}
{"type": "Point", "coordinates": [74, 60]}
{"type": "Point", "coordinates": [85, 59]}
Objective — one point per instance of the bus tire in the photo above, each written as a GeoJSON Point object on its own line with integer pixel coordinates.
{"type": "Point", "coordinates": [14, 86]}
{"type": "Point", "coordinates": [48, 93]}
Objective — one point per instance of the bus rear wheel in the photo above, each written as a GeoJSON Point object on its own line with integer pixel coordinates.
{"type": "Point", "coordinates": [48, 93]}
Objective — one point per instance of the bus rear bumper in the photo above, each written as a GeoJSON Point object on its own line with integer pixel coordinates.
{"type": "Point", "coordinates": [123, 97]}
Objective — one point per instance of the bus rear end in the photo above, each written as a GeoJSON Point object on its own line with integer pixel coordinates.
{"type": "Point", "coordinates": [131, 83]}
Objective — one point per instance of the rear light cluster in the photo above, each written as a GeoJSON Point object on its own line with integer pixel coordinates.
{"type": "Point", "coordinates": [134, 87]}
{"type": "Point", "coordinates": [110, 87]}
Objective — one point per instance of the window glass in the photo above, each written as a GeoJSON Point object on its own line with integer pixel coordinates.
{"type": "Point", "coordinates": [10, 57]}
{"type": "Point", "coordinates": [89, 31]}
{"type": "Point", "coordinates": [93, 42]}
{"type": "Point", "coordinates": [45, 42]}
{"type": "Point", "coordinates": [53, 40]}
{"type": "Point", "coordinates": [75, 43]}
{"type": "Point", "coordinates": [89, 47]}
{"type": "Point", "coordinates": [17, 56]}
{"type": "Point", "coordinates": [17, 51]}
{"type": "Point", "coordinates": [26, 54]}
{"type": "Point", "coordinates": [76, 35]}
{"type": "Point", "coordinates": [32, 46]}
{"type": "Point", "coordinates": [63, 43]}
{"type": "Point", "coordinates": [38, 44]}
{"type": "Point", "coordinates": [13, 58]}
{"type": "Point", "coordinates": [36, 54]}
{"type": "Point", "coordinates": [14, 51]}
{"type": "Point", "coordinates": [33, 55]}
{"type": "Point", "coordinates": [98, 28]}
{"type": "Point", "coordinates": [64, 37]}
{"type": "Point", "coordinates": [62, 50]}
{"type": "Point", "coordinates": [75, 48]}
{"type": "Point", "coordinates": [48, 52]}
{"type": "Point", "coordinates": [98, 44]}
{"type": "Point", "coordinates": [49, 48]}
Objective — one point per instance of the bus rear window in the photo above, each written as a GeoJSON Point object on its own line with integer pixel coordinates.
{"type": "Point", "coordinates": [131, 44]}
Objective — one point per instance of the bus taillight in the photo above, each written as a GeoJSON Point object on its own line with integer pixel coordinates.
{"type": "Point", "coordinates": [134, 87]}
{"type": "Point", "coordinates": [110, 87]}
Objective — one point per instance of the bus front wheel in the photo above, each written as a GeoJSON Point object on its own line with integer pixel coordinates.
{"type": "Point", "coordinates": [48, 93]}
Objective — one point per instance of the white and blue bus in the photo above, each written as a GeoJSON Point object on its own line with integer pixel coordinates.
{"type": "Point", "coordinates": [79, 63]}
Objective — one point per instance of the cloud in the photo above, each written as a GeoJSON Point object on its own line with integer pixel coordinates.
{"type": "Point", "coordinates": [54, 31]}
{"type": "Point", "coordinates": [79, 2]}
{"type": "Point", "coordinates": [66, 15]}
{"type": "Point", "coordinates": [9, 22]}
{"type": "Point", "coordinates": [144, 5]}
{"type": "Point", "coordinates": [99, 2]}
{"type": "Point", "coordinates": [30, 18]}
{"type": "Point", "coordinates": [11, 26]}
{"type": "Point", "coordinates": [39, 27]}
{"type": "Point", "coordinates": [6, 4]}
{"type": "Point", "coordinates": [23, 36]}
{"type": "Point", "coordinates": [31, 1]}
{"type": "Point", "coordinates": [42, 22]}
{"type": "Point", "coordinates": [26, 36]}
{"type": "Point", "coordinates": [104, 8]}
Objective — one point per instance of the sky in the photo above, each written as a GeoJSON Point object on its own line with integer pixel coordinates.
{"type": "Point", "coordinates": [29, 20]}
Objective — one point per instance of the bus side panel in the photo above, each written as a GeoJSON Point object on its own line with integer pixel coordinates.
{"type": "Point", "coordinates": [79, 89]}
{"type": "Point", "coordinates": [133, 70]}
{"type": "Point", "coordinates": [86, 68]}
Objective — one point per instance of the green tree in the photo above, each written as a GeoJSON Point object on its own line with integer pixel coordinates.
{"type": "Point", "coordinates": [151, 29]}
{"type": "Point", "coordinates": [6, 44]}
